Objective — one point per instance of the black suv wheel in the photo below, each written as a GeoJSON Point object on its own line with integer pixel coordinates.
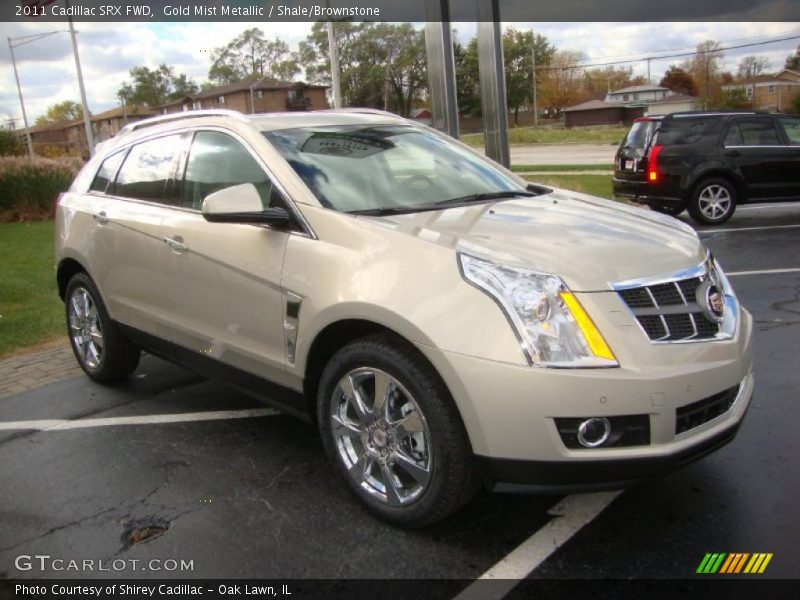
{"type": "Point", "coordinates": [713, 201]}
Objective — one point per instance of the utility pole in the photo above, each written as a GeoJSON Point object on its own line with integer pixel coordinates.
{"type": "Point", "coordinates": [648, 70]}
{"type": "Point", "coordinates": [533, 70]}
{"type": "Point", "coordinates": [87, 119]}
{"type": "Point", "coordinates": [21, 101]}
{"type": "Point", "coordinates": [333, 51]}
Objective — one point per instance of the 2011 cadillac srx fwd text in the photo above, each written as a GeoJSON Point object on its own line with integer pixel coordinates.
{"type": "Point", "coordinates": [445, 324]}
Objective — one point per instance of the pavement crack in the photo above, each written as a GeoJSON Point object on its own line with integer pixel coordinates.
{"type": "Point", "coordinates": [53, 530]}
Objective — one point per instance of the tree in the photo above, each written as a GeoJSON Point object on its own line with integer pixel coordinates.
{"type": "Point", "coordinates": [251, 55]}
{"type": "Point", "coordinates": [794, 107]}
{"type": "Point", "coordinates": [752, 66]}
{"type": "Point", "coordinates": [154, 87]}
{"type": "Point", "coordinates": [468, 85]}
{"type": "Point", "coordinates": [611, 78]}
{"type": "Point", "coordinates": [679, 81]}
{"type": "Point", "coordinates": [735, 98]}
{"type": "Point", "coordinates": [704, 68]}
{"type": "Point", "coordinates": [381, 65]}
{"type": "Point", "coordinates": [793, 60]}
{"type": "Point", "coordinates": [61, 111]}
{"type": "Point", "coordinates": [563, 83]}
{"type": "Point", "coordinates": [517, 53]}
{"type": "Point", "coordinates": [10, 143]}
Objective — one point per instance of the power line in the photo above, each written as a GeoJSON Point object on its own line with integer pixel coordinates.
{"type": "Point", "coordinates": [678, 55]}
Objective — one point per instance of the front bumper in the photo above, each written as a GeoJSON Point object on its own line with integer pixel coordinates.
{"type": "Point", "coordinates": [510, 411]}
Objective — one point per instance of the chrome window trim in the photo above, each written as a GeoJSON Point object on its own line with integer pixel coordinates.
{"type": "Point", "coordinates": [307, 229]}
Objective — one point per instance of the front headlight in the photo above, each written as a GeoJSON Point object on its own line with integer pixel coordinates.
{"type": "Point", "coordinates": [551, 325]}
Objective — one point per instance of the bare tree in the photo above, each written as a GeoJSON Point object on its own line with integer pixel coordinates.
{"type": "Point", "coordinates": [752, 66]}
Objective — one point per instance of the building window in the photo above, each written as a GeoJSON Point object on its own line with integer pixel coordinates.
{"type": "Point", "coordinates": [749, 90]}
{"type": "Point", "coordinates": [625, 97]}
{"type": "Point", "coordinates": [636, 96]}
{"type": "Point", "coordinates": [221, 101]}
{"type": "Point", "coordinates": [259, 94]}
{"type": "Point", "coordinates": [196, 105]}
{"type": "Point", "coordinates": [771, 89]}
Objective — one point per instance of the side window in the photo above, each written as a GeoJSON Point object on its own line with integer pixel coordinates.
{"type": "Point", "coordinates": [759, 132]}
{"type": "Point", "coordinates": [684, 130]}
{"type": "Point", "coordinates": [149, 168]}
{"type": "Point", "coordinates": [106, 172]}
{"type": "Point", "coordinates": [734, 136]}
{"type": "Point", "coordinates": [791, 125]}
{"type": "Point", "coordinates": [217, 161]}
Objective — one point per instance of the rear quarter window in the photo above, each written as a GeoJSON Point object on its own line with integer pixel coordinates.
{"type": "Point", "coordinates": [106, 173]}
{"type": "Point", "coordinates": [684, 131]}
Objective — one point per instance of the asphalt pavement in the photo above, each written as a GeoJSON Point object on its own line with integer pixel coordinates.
{"type": "Point", "coordinates": [240, 495]}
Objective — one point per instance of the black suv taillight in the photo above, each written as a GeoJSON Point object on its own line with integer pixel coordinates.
{"type": "Point", "coordinates": [652, 164]}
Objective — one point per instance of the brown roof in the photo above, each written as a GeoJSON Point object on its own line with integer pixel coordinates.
{"type": "Point", "coordinates": [131, 110]}
{"type": "Point", "coordinates": [266, 83]}
{"type": "Point", "coordinates": [593, 105]}
{"type": "Point", "coordinates": [49, 126]}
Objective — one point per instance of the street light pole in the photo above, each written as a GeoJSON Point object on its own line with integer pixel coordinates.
{"type": "Point", "coordinates": [21, 101]}
{"type": "Point", "coordinates": [333, 51]}
{"type": "Point", "coordinates": [533, 69]}
{"type": "Point", "coordinates": [87, 122]}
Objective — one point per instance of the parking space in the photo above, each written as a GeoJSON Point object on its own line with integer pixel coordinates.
{"type": "Point", "coordinates": [248, 494]}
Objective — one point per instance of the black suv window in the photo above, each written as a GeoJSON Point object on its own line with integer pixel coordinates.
{"type": "Point", "coordinates": [106, 172]}
{"type": "Point", "coordinates": [217, 161]}
{"type": "Point", "coordinates": [640, 134]}
{"type": "Point", "coordinates": [683, 130]}
{"type": "Point", "coordinates": [758, 132]}
{"type": "Point", "coordinates": [791, 126]}
{"type": "Point", "coordinates": [149, 168]}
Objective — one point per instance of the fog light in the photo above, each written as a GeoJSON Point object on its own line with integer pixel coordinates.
{"type": "Point", "coordinates": [594, 432]}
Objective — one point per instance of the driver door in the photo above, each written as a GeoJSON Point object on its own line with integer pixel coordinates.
{"type": "Point", "coordinates": [224, 279]}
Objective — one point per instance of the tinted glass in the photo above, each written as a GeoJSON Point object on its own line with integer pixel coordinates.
{"type": "Point", "coordinates": [759, 132]}
{"type": "Point", "coordinates": [148, 169]}
{"type": "Point", "coordinates": [218, 161]}
{"type": "Point", "coordinates": [106, 172]}
{"type": "Point", "coordinates": [791, 125]}
{"type": "Point", "coordinates": [640, 134]}
{"type": "Point", "coordinates": [683, 130]}
{"type": "Point", "coordinates": [734, 136]}
{"type": "Point", "coordinates": [355, 167]}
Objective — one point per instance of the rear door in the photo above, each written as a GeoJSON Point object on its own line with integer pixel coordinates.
{"type": "Point", "coordinates": [631, 162]}
{"type": "Point", "coordinates": [128, 249]}
{"type": "Point", "coordinates": [756, 149]}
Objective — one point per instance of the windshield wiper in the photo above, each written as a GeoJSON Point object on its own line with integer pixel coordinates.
{"type": "Point", "coordinates": [485, 196]}
{"type": "Point", "coordinates": [386, 210]}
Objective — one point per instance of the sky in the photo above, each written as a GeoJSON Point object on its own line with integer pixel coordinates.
{"type": "Point", "coordinates": [109, 50]}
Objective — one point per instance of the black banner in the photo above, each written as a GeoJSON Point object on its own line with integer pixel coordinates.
{"type": "Point", "coordinates": [395, 10]}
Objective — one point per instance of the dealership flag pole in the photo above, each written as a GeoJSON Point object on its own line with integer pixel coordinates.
{"type": "Point", "coordinates": [21, 101]}
{"type": "Point", "coordinates": [87, 123]}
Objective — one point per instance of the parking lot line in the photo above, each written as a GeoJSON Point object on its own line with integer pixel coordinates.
{"type": "Point", "coordinates": [733, 229]}
{"type": "Point", "coordinates": [569, 517]}
{"type": "Point", "coordinates": [763, 272]}
{"type": "Point", "coordinates": [64, 424]}
{"type": "Point", "coordinates": [775, 205]}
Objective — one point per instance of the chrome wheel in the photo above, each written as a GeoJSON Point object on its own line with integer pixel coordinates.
{"type": "Point", "coordinates": [381, 436]}
{"type": "Point", "coordinates": [84, 328]}
{"type": "Point", "coordinates": [715, 201]}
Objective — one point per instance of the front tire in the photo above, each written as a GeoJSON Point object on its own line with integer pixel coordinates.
{"type": "Point", "coordinates": [392, 431]}
{"type": "Point", "coordinates": [713, 201]}
{"type": "Point", "coordinates": [101, 350]}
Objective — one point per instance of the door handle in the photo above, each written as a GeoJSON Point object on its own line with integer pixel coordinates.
{"type": "Point", "coordinates": [176, 243]}
{"type": "Point", "coordinates": [100, 217]}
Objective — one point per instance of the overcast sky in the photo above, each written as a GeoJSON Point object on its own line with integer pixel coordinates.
{"type": "Point", "coordinates": [109, 50]}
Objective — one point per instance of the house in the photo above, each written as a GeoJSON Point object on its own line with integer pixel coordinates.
{"type": "Point", "coordinates": [672, 104]}
{"type": "Point", "coordinates": [44, 135]}
{"type": "Point", "coordinates": [638, 94]}
{"type": "Point", "coordinates": [422, 115]}
{"type": "Point", "coordinates": [107, 124]}
{"type": "Point", "coordinates": [770, 92]}
{"type": "Point", "coordinates": [599, 112]}
{"type": "Point", "coordinates": [253, 96]}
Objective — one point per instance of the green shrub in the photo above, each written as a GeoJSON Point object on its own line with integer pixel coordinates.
{"type": "Point", "coordinates": [29, 187]}
{"type": "Point", "coordinates": [10, 144]}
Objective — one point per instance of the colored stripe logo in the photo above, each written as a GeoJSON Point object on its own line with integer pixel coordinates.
{"type": "Point", "coordinates": [734, 563]}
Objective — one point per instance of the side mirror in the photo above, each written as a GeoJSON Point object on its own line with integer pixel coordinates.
{"type": "Point", "coordinates": [242, 204]}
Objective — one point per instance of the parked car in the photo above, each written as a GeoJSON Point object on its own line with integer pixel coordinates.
{"type": "Point", "coordinates": [445, 324]}
{"type": "Point", "coordinates": [709, 162]}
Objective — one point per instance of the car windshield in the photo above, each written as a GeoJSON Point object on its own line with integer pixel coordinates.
{"type": "Point", "coordinates": [389, 168]}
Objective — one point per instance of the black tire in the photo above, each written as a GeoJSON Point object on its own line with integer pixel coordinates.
{"type": "Point", "coordinates": [452, 477]}
{"type": "Point", "coordinates": [673, 210]}
{"type": "Point", "coordinates": [118, 357]}
{"type": "Point", "coordinates": [707, 188]}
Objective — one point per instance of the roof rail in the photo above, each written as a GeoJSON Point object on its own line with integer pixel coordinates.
{"type": "Point", "coordinates": [363, 111]}
{"type": "Point", "coordinates": [188, 114]}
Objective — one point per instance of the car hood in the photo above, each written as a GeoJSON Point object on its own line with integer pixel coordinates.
{"type": "Point", "coordinates": [589, 242]}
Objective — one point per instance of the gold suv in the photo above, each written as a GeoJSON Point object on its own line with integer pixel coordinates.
{"type": "Point", "coordinates": [445, 324]}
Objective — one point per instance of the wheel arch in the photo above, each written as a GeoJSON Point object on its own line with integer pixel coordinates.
{"type": "Point", "coordinates": [65, 271]}
{"type": "Point", "coordinates": [717, 173]}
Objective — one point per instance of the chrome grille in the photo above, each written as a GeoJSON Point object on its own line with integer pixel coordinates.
{"type": "Point", "coordinates": [669, 312]}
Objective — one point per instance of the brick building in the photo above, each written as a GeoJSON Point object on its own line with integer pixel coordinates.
{"type": "Point", "coordinates": [770, 92]}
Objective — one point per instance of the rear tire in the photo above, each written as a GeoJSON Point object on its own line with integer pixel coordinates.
{"type": "Point", "coordinates": [713, 201]}
{"type": "Point", "coordinates": [101, 350]}
{"type": "Point", "coordinates": [393, 433]}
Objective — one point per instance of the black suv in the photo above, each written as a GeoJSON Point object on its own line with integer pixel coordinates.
{"type": "Point", "coordinates": [709, 162]}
